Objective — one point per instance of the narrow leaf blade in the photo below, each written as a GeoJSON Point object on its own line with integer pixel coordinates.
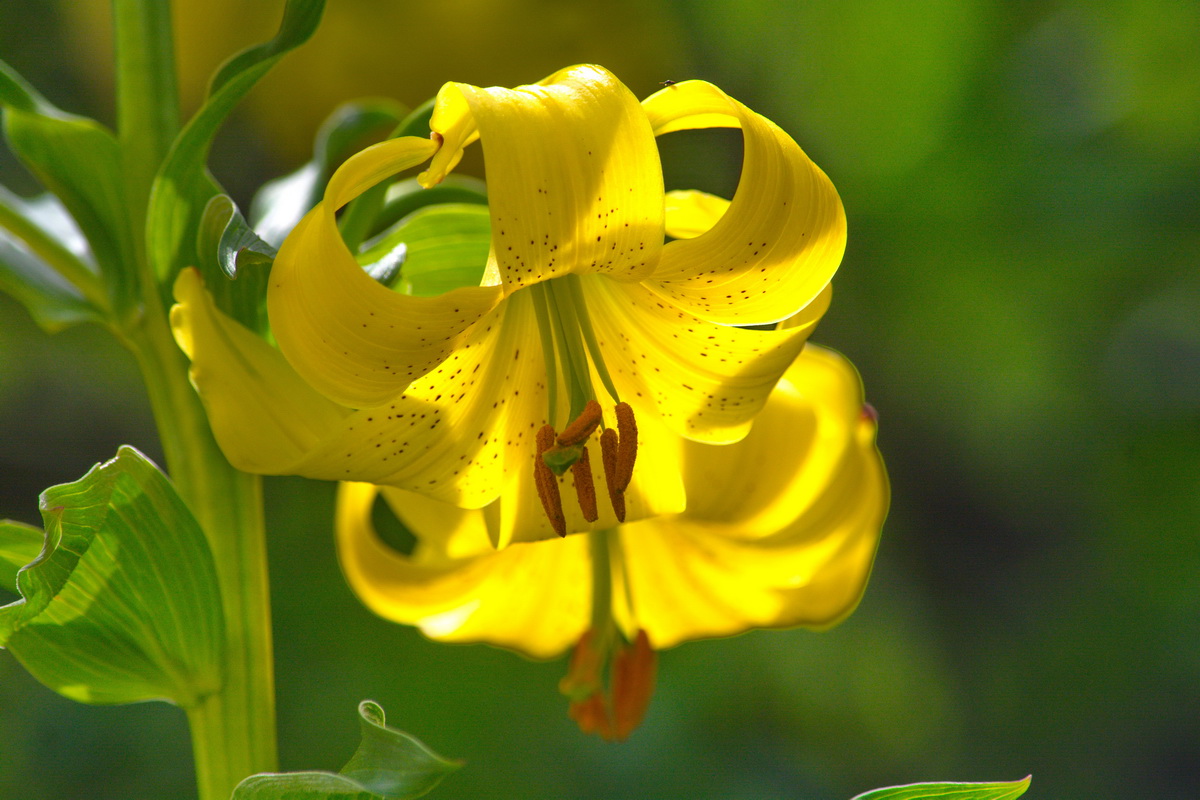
{"type": "Point", "coordinates": [950, 791]}
{"type": "Point", "coordinates": [184, 187]}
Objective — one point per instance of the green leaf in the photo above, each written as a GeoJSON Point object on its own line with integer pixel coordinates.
{"type": "Point", "coordinates": [281, 203]}
{"type": "Point", "coordinates": [78, 160]}
{"type": "Point", "coordinates": [406, 196]}
{"type": "Point", "coordinates": [19, 544]}
{"type": "Point", "coordinates": [122, 603]}
{"type": "Point", "coordinates": [388, 764]}
{"type": "Point", "coordinates": [34, 235]}
{"type": "Point", "coordinates": [436, 249]}
{"type": "Point", "coordinates": [224, 230]}
{"type": "Point", "coordinates": [950, 791]}
{"type": "Point", "coordinates": [353, 126]}
{"type": "Point", "coordinates": [184, 187]}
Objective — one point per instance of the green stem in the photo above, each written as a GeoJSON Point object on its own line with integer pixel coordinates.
{"type": "Point", "coordinates": [541, 309]}
{"type": "Point", "coordinates": [233, 730]}
{"type": "Point", "coordinates": [147, 95]}
{"type": "Point", "coordinates": [603, 626]}
{"type": "Point", "coordinates": [575, 285]}
{"type": "Point", "coordinates": [566, 330]}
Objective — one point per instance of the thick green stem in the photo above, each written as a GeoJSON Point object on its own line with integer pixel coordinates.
{"type": "Point", "coordinates": [147, 95]}
{"type": "Point", "coordinates": [233, 731]}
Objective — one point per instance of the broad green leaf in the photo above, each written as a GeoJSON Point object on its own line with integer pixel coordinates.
{"type": "Point", "coordinates": [224, 231]}
{"type": "Point", "coordinates": [184, 186]}
{"type": "Point", "coordinates": [122, 603]}
{"type": "Point", "coordinates": [352, 126]}
{"type": "Point", "coordinates": [78, 160]}
{"type": "Point", "coordinates": [406, 196]}
{"type": "Point", "coordinates": [388, 764]}
{"type": "Point", "coordinates": [435, 249]}
{"type": "Point", "coordinates": [950, 791]}
{"type": "Point", "coordinates": [19, 544]}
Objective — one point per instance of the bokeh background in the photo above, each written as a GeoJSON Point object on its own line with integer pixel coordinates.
{"type": "Point", "coordinates": [1021, 293]}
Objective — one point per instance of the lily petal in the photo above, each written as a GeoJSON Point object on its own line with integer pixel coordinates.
{"type": "Point", "coordinates": [351, 338]}
{"type": "Point", "coordinates": [707, 381]}
{"type": "Point", "coordinates": [691, 212]}
{"type": "Point", "coordinates": [534, 598]}
{"type": "Point", "coordinates": [574, 178]}
{"type": "Point", "coordinates": [264, 416]}
{"type": "Point", "coordinates": [783, 235]}
{"type": "Point", "coordinates": [791, 547]}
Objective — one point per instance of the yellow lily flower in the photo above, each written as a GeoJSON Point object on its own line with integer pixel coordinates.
{"type": "Point", "coordinates": [584, 319]}
{"type": "Point", "coordinates": [789, 545]}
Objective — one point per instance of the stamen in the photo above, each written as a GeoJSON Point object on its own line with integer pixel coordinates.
{"type": "Point", "coordinates": [627, 447]}
{"type": "Point", "coordinates": [609, 453]}
{"type": "Point", "coordinates": [633, 673]}
{"type": "Point", "coordinates": [583, 426]}
{"type": "Point", "coordinates": [585, 488]}
{"type": "Point", "coordinates": [547, 483]}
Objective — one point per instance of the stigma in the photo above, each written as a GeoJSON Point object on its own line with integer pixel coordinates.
{"type": "Point", "coordinates": [558, 452]}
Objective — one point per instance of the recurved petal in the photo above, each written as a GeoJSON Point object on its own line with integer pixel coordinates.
{"type": "Point", "coordinates": [531, 597]}
{"type": "Point", "coordinates": [706, 381]}
{"type": "Point", "coordinates": [782, 237]}
{"type": "Point", "coordinates": [800, 551]}
{"type": "Point", "coordinates": [264, 416]}
{"type": "Point", "coordinates": [574, 179]}
{"type": "Point", "coordinates": [691, 212]}
{"type": "Point", "coordinates": [353, 339]}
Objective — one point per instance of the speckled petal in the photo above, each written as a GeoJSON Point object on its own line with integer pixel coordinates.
{"type": "Point", "coordinates": [782, 238]}
{"type": "Point", "coordinates": [707, 381]}
{"type": "Point", "coordinates": [574, 180]}
{"type": "Point", "coordinates": [460, 433]}
{"type": "Point", "coordinates": [534, 598]}
{"type": "Point", "coordinates": [790, 547]}
{"type": "Point", "coordinates": [264, 416]}
{"type": "Point", "coordinates": [353, 339]}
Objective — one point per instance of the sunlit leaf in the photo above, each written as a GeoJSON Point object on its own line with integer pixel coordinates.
{"type": "Point", "coordinates": [19, 544]}
{"type": "Point", "coordinates": [406, 196]}
{"type": "Point", "coordinates": [443, 247]}
{"type": "Point", "coordinates": [122, 603]}
{"type": "Point", "coordinates": [950, 791]}
{"type": "Point", "coordinates": [184, 187]}
{"type": "Point", "coordinates": [388, 764]}
{"type": "Point", "coordinates": [79, 161]}
{"type": "Point", "coordinates": [32, 231]}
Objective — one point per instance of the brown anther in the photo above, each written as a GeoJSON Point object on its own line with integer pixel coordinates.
{"type": "Point", "coordinates": [585, 488]}
{"type": "Point", "coordinates": [627, 447]}
{"type": "Point", "coordinates": [609, 451]}
{"type": "Point", "coordinates": [582, 426]}
{"type": "Point", "coordinates": [633, 673]}
{"type": "Point", "coordinates": [547, 483]}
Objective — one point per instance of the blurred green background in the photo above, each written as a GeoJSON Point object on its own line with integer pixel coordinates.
{"type": "Point", "coordinates": [1021, 293]}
